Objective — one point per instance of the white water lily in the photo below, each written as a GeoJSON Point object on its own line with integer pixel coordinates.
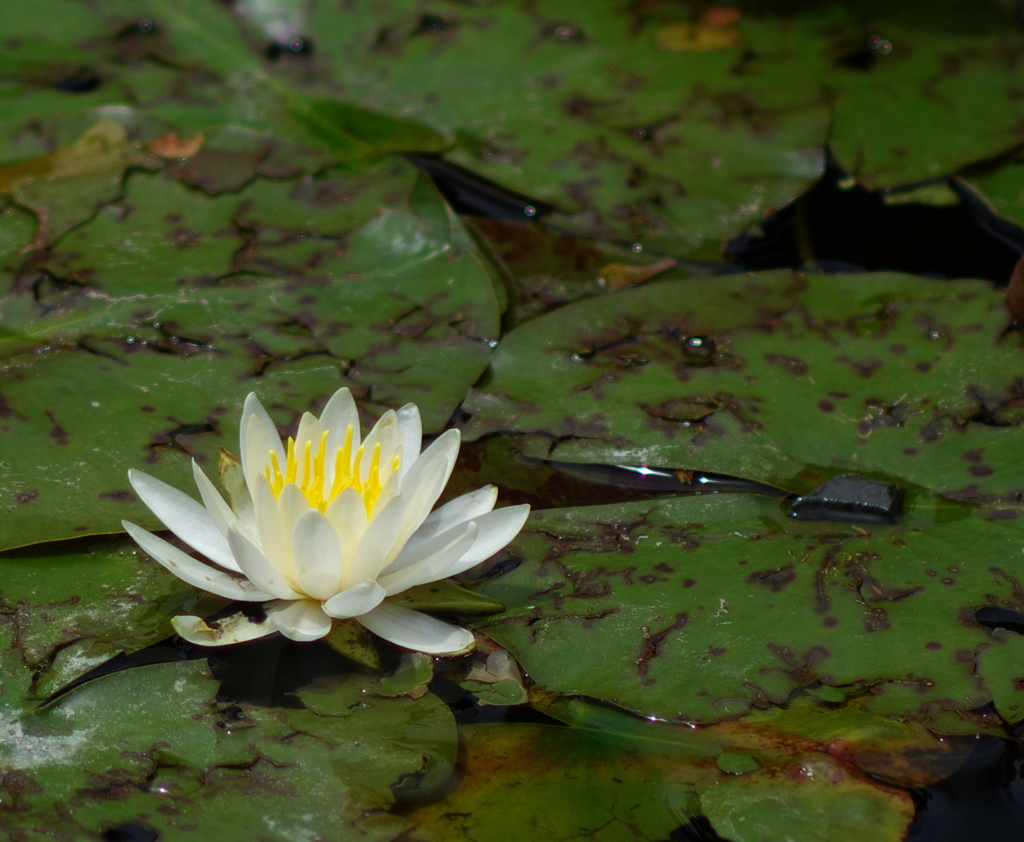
{"type": "Point", "coordinates": [327, 527]}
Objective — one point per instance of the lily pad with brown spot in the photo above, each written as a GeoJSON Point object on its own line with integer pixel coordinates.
{"type": "Point", "coordinates": [147, 382]}
{"type": "Point", "coordinates": [153, 747]}
{"type": "Point", "coordinates": [701, 609]}
{"type": "Point", "coordinates": [888, 375]}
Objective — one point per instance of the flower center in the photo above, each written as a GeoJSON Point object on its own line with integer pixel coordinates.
{"type": "Point", "coordinates": [312, 479]}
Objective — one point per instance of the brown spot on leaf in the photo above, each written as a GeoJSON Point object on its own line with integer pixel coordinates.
{"type": "Point", "coordinates": [826, 406]}
{"type": "Point", "coordinates": [664, 568]}
{"type": "Point", "coordinates": [910, 451]}
{"type": "Point", "coordinates": [146, 408]}
{"type": "Point", "coordinates": [689, 583]}
{"type": "Point", "coordinates": [876, 619]}
{"type": "Point", "coordinates": [923, 366]}
{"type": "Point", "coordinates": [652, 643]}
{"type": "Point", "coordinates": [27, 496]}
{"type": "Point", "coordinates": [57, 432]}
{"type": "Point", "coordinates": [784, 653]}
{"type": "Point", "coordinates": [980, 470]}
{"type": "Point", "coordinates": [830, 621]}
{"type": "Point", "coordinates": [81, 528]}
{"type": "Point", "coordinates": [933, 644]}
{"type": "Point", "coordinates": [790, 364]}
{"type": "Point", "coordinates": [774, 579]}
{"type": "Point", "coordinates": [121, 496]}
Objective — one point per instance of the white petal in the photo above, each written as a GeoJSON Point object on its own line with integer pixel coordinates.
{"type": "Point", "coordinates": [232, 477]}
{"type": "Point", "coordinates": [219, 511]}
{"type": "Point", "coordinates": [274, 543]}
{"type": "Point", "coordinates": [185, 517]}
{"type": "Point", "coordinates": [411, 434]}
{"type": "Point", "coordinates": [460, 510]}
{"type": "Point", "coordinates": [301, 620]}
{"type": "Point", "coordinates": [497, 529]}
{"type": "Point", "coordinates": [347, 514]}
{"type": "Point", "coordinates": [256, 567]}
{"type": "Point", "coordinates": [317, 556]}
{"type": "Point", "coordinates": [309, 431]}
{"type": "Point", "coordinates": [236, 628]}
{"type": "Point", "coordinates": [192, 570]}
{"type": "Point", "coordinates": [436, 556]}
{"type": "Point", "coordinates": [336, 418]}
{"type": "Point", "coordinates": [375, 545]}
{"type": "Point", "coordinates": [444, 449]}
{"type": "Point", "coordinates": [416, 631]}
{"type": "Point", "coordinates": [421, 494]}
{"type": "Point", "coordinates": [385, 433]}
{"type": "Point", "coordinates": [392, 488]}
{"type": "Point", "coordinates": [356, 601]}
{"type": "Point", "coordinates": [426, 480]}
{"type": "Point", "coordinates": [292, 504]}
{"type": "Point", "coordinates": [258, 437]}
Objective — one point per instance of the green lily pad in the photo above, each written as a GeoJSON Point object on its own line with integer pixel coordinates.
{"type": "Point", "coordinates": [614, 776]}
{"type": "Point", "coordinates": [675, 150]}
{"type": "Point", "coordinates": [1001, 189]}
{"type": "Point", "coordinates": [700, 609]}
{"type": "Point", "coordinates": [148, 382]}
{"type": "Point", "coordinates": [559, 782]}
{"type": "Point", "coordinates": [65, 187]}
{"type": "Point", "coordinates": [898, 377]}
{"type": "Point", "coordinates": [153, 746]}
{"type": "Point", "coordinates": [813, 798]}
{"type": "Point", "coordinates": [71, 609]}
{"type": "Point", "coordinates": [917, 90]}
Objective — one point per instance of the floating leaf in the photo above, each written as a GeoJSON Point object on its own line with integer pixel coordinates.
{"type": "Point", "coordinates": [675, 150]}
{"type": "Point", "coordinates": [71, 609]}
{"type": "Point", "coordinates": [915, 67]}
{"type": "Point", "coordinates": [699, 609]}
{"type": "Point", "coordinates": [147, 382]}
{"type": "Point", "coordinates": [897, 377]}
{"type": "Point", "coordinates": [152, 746]}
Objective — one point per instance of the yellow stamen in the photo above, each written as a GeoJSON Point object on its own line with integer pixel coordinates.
{"type": "Point", "coordinates": [347, 472]}
{"type": "Point", "coordinates": [292, 465]}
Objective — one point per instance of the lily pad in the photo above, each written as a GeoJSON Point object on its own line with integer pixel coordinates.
{"type": "Point", "coordinates": [898, 377]}
{"type": "Point", "coordinates": [675, 150]}
{"type": "Point", "coordinates": [74, 608]}
{"type": "Point", "coordinates": [150, 381]}
{"type": "Point", "coordinates": [1000, 190]}
{"type": "Point", "coordinates": [154, 747]}
{"type": "Point", "coordinates": [701, 609]}
{"type": "Point", "coordinates": [66, 187]}
{"type": "Point", "coordinates": [612, 776]}
{"type": "Point", "coordinates": [917, 90]}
